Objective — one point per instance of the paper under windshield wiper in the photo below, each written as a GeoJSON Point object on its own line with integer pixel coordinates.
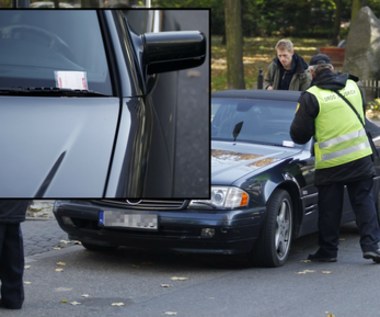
{"type": "Point", "coordinates": [50, 91]}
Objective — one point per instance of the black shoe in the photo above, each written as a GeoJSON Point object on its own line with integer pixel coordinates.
{"type": "Point", "coordinates": [317, 257]}
{"type": "Point", "coordinates": [372, 255]}
{"type": "Point", "coordinates": [8, 306]}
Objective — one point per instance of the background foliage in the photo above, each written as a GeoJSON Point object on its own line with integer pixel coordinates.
{"type": "Point", "coordinates": [301, 18]}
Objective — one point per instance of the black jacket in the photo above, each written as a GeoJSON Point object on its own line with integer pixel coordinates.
{"type": "Point", "coordinates": [303, 129]}
{"type": "Point", "coordinates": [13, 211]}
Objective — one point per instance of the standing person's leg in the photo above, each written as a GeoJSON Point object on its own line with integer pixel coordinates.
{"type": "Point", "coordinates": [330, 200]}
{"type": "Point", "coordinates": [12, 267]}
{"type": "Point", "coordinates": [2, 258]}
{"type": "Point", "coordinates": [363, 203]}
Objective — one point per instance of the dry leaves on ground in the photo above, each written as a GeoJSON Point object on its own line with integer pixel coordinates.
{"type": "Point", "coordinates": [179, 278]}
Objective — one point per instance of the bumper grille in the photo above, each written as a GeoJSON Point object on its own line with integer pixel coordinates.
{"type": "Point", "coordinates": [146, 204]}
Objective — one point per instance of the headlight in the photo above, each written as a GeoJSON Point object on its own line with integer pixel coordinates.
{"type": "Point", "coordinates": [224, 197]}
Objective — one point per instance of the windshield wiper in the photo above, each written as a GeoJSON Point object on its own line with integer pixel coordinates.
{"type": "Point", "coordinates": [237, 129]}
{"type": "Point", "coordinates": [50, 91]}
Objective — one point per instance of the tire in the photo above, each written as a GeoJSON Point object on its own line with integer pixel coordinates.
{"type": "Point", "coordinates": [273, 246]}
{"type": "Point", "coordinates": [98, 247]}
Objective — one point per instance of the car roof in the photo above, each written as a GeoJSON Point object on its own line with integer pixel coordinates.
{"type": "Point", "coordinates": [285, 95]}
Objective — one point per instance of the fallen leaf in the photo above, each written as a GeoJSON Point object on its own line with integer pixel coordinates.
{"type": "Point", "coordinates": [59, 269]}
{"type": "Point", "coordinates": [74, 303]}
{"type": "Point", "coordinates": [64, 301]}
{"type": "Point", "coordinates": [61, 263]}
{"type": "Point", "coordinates": [27, 282]}
{"type": "Point", "coordinates": [306, 271]}
{"type": "Point", "coordinates": [166, 285]}
{"type": "Point", "coordinates": [171, 313]}
{"type": "Point", "coordinates": [85, 295]}
{"type": "Point", "coordinates": [179, 278]}
{"type": "Point", "coordinates": [329, 314]}
{"type": "Point", "coordinates": [118, 304]}
{"type": "Point", "coordinates": [306, 261]}
{"type": "Point", "coordinates": [26, 267]}
{"type": "Point", "coordinates": [63, 289]}
{"type": "Point", "coordinates": [326, 272]}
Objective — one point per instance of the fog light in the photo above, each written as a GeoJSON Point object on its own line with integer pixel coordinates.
{"type": "Point", "coordinates": [207, 232]}
{"type": "Point", "coordinates": [67, 221]}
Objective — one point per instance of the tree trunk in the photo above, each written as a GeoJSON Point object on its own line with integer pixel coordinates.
{"type": "Point", "coordinates": [337, 20]}
{"type": "Point", "coordinates": [234, 44]}
{"type": "Point", "coordinates": [355, 8]}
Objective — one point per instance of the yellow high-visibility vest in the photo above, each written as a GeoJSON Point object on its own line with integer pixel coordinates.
{"type": "Point", "coordinates": [340, 137]}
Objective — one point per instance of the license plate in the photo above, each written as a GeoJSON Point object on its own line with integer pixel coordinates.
{"type": "Point", "coordinates": [109, 218]}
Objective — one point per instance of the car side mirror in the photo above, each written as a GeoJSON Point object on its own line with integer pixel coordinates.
{"type": "Point", "coordinates": [171, 51]}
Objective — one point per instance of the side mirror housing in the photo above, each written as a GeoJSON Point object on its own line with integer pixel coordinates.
{"type": "Point", "coordinates": [171, 51]}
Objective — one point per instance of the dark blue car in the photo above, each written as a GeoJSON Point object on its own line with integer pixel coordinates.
{"type": "Point", "coordinates": [262, 193]}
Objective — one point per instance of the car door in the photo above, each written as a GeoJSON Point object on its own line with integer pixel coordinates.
{"type": "Point", "coordinates": [58, 112]}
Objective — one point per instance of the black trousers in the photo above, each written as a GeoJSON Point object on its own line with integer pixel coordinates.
{"type": "Point", "coordinates": [330, 213]}
{"type": "Point", "coordinates": [11, 265]}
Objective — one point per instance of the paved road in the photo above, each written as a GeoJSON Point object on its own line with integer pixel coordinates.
{"type": "Point", "coordinates": [42, 235]}
{"type": "Point", "coordinates": [41, 231]}
{"type": "Point", "coordinates": [74, 282]}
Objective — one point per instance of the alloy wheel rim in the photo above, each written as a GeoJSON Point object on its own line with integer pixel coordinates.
{"type": "Point", "coordinates": [283, 230]}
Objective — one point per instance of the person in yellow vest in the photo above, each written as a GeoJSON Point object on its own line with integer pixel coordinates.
{"type": "Point", "coordinates": [342, 157]}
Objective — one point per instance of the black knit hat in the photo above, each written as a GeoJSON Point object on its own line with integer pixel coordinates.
{"type": "Point", "coordinates": [319, 59]}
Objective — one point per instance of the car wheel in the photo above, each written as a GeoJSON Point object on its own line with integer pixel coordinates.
{"type": "Point", "coordinates": [98, 247]}
{"type": "Point", "coordinates": [273, 246]}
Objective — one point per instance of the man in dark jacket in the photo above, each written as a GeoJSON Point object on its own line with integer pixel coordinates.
{"type": "Point", "coordinates": [288, 71]}
{"type": "Point", "coordinates": [342, 157]}
{"type": "Point", "coordinates": [12, 213]}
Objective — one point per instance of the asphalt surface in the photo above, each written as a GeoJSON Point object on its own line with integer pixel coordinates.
{"type": "Point", "coordinates": [70, 281]}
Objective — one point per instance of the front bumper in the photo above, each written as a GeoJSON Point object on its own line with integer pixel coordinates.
{"type": "Point", "coordinates": [185, 230]}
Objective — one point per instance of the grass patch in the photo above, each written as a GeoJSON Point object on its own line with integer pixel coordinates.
{"type": "Point", "coordinates": [258, 52]}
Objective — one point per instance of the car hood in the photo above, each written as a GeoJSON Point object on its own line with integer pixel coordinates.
{"type": "Point", "coordinates": [56, 147]}
{"type": "Point", "coordinates": [232, 161]}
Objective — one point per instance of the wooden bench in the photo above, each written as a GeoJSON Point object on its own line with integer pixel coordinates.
{"type": "Point", "coordinates": [336, 54]}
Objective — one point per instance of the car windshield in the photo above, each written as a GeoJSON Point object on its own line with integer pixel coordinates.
{"type": "Point", "coordinates": [255, 121]}
{"type": "Point", "coordinates": [52, 49]}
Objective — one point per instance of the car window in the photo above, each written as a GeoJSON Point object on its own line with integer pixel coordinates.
{"type": "Point", "coordinates": [256, 121]}
{"type": "Point", "coordinates": [46, 48]}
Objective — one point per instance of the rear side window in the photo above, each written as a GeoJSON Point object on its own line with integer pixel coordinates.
{"type": "Point", "coordinates": [52, 49]}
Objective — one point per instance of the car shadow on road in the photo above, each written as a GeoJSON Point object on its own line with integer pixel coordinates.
{"type": "Point", "coordinates": [164, 260]}
{"type": "Point", "coordinates": [119, 259]}
{"type": "Point", "coordinates": [305, 245]}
